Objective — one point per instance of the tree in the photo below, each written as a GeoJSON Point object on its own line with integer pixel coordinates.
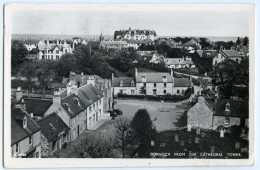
{"type": "Point", "coordinates": [18, 53]}
{"type": "Point", "coordinates": [122, 138]}
{"type": "Point", "coordinates": [65, 65]}
{"type": "Point", "coordinates": [246, 41]}
{"type": "Point", "coordinates": [238, 42]}
{"type": "Point", "coordinates": [143, 131]}
{"type": "Point", "coordinates": [29, 72]}
{"type": "Point", "coordinates": [45, 74]}
{"type": "Point", "coordinates": [226, 75]}
{"type": "Point", "coordinates": [142, 90]}
{"type": "Point", "coordinates": [97, 147]}
{"type": "Point", "coordinates": [204, 83]}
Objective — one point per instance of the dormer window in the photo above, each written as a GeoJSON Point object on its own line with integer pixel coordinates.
{"type": "Point", "coordinates": [76, 100]}
{"type": "Point", "coordinates": [121, 83]}
{"type": "Point", "coordinates": [30, 140]}
{"type": "Point", "coordinates": [132, 83]}
{"type": "Point", "coordinates": [25, 122]}
{"type": "Point", "coordinates": [227, 108]}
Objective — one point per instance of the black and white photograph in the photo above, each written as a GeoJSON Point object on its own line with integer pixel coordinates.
{"type": "Point", "coordinates": [152, 82]}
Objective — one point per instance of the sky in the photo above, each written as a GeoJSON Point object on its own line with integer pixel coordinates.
{"type": "Point", "coordinates": [223, 21]}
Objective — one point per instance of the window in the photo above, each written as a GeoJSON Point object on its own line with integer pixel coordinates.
{"type": "Point", "coordinates": [57, 51]}
{"type": "Point", "coordinates": [237, 60]}
{"type": "Point", "coordinates": [121, 91]}
{"type": "Point", "coordinates": [154, 84]}
{"type": "Point", "coordinates": [52, 57]}
{"type": "Point", "coordinates": [94, 106]}
{"type": "Point", "coordinates": [90, 108]}
{"type": "Point", "coordinates": [164, 92]}
{"type": "Point", "coordinates": [144, 84]}
{"type": "Point", "coordinates": [25, 122]}
{"type": "Point", "coordinates": [57, 57]}
{"type": "Point", "coordinates": [164, 84]}
{"type": "Point", "coordinates": [121, 83]}
{"type": "Point", "coordinates": [37, 155]}
{"type": "Point", "coordinates": [178, 91]}
{"type": "Point", "coordinates": [17, 148]}
{"type": "Point", "coordinates": [30, 140]}
{"type": "Point", "coordinates": [216, 62]}
{"type": "Point", "coordinates": [227, 120]}
{"type": "Point", "coordinates": [132, 91]}
{"type": "Point", "coordinates": [132, 84]}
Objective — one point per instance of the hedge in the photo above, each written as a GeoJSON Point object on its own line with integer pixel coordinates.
{"type": "Point", "coordinates": [172, 98]}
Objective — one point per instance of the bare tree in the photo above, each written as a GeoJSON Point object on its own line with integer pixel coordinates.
{"type": "Point", "coordinates": [99, 147]}
{"type": "Point", "coordinates": [122, 138]}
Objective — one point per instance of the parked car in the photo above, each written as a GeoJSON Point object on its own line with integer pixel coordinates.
{"type": "Point", "coordinates": [118, 111]}
{"type": "Point", "coordinates": [112, 113]}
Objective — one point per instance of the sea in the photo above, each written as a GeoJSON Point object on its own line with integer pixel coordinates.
{"type": "Point", "coordinates": [57, 36]}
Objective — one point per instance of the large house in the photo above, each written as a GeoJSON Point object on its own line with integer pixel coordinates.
{"type": "Point", "coordinates": [177, 63]}
{"type": "Point", "coordinates": [123, 85]}
{"type": "Point", "coordinates": [150, 83]}
{"type": "Point", "coordinates": [192, 44]}
{"type": "Point", "coordinates": [25, 134]}
{"type": "Point", "coordinates": [211, 114]}
{"type": "Point", "coordinates": [135, 34]}
{"type": "Point", "coordinates": [154, 83]}
{"type": "Point", "coordinates": [171, 43]}
{"type": "Point", "coordinates": [30, 44]}
{"type": "Point", "coordinates": [54, 134]}
{"type": "Point", "coordinates": [137, 43]}
{"type": "Point", "coordinates": [228, 54]}
{"type": "Point", "coordinates": [52, 51]}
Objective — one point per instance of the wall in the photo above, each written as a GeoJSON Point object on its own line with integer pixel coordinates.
{"type": "Point", "coordinates": [200, 115]}
{"type": "Point", "coordinates": [126, 90]}
{"type": "Point", "coordinates": [24, 145]}
{"type": "Point", "coordinates": [79, 121]}
{"type": "Point", "coordinates": [175, 89]}
{"type": "Point", "coordinates": [95, 114]}
{"type": "Point", "coordinates": [220, 121]}
{"type": "Point", "coordinates": [159, 88]}
{"type": "Point", "coordinates": [219, 58]}
{"type": "Point", "coordinates": [45, 146]}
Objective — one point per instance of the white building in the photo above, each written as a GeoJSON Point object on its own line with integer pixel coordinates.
{"type": "Point", "coordinates": [52, 51]}
{"type": "Point", "coordinates": [135, 34]}
{"type": "Point", "coordinates": [177, 63]}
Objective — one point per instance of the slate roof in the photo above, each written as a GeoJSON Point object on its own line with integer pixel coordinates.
{"type": "Point", "coordinates": [89, 94]}
{"type": "Point", "coordinates": [122, 33]}
{"type": "Point", "coordinates": [182, 82]}
{"type": "Point", "coordinates": [126, 81]}
{"type": "Point", "coordinates": [153, 77]}
{"type": "Point", "coordinates": [37, 106]}
{"type": "Point", "coordinates": [207, 53]}
{"type": "Point", "coordinates": [19, 133]}
{"type": "Point", "coordinates": [231, 53]}
{"type": "Point", "coordinates": [71, 105]}
{"type": "Point", "coordinates": [114, 42]}
{"type": "Point", "coordinates": [238, 108]}
{"type": "Point", "coordinates": [51, 126]}
{"type": "Point", "coordinates": [177, 61]}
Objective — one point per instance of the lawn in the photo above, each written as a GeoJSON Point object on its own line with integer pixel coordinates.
{"type": "Point", "coordinates": [164, 115]}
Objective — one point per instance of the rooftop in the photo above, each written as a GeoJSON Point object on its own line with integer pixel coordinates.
{"type": "Point", "coordinates": [154, 77]}
{"type": "Point", "coordinates": [37, 106]}
{"type": "Point", "coordinates": [51, 126]}
{"type": "Point", "coordinates": [125, 80]}
{"type": "Point", "coordinates": [182, 82]}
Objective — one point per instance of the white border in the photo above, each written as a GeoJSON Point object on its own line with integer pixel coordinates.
{"type": "Point", "coordinates": [46, 163]}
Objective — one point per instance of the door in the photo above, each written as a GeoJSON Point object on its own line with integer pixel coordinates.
{"type": "Point", "coordinates": [242, 122]}
{"type": "Point", "coordinates": [154, 92]}
{"type": "Point", "coordinates": [96, 116]}
{"type": "Point", "coordinates": [78, 130]}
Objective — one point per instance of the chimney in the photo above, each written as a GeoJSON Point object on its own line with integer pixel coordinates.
{"type": "Point", "coordinates": [171, 72]}
{"type": "Point", "coordinates": [112, 76]}
{"type": "Point", "coordinates": [57, 41]}
{"type": "Point", "coordinates": [56, 97]}
{"type": "Point", "coordinates": [72, 76]}
{"type": "Point", "coordinates": [136, 72]}
{"type": "Point", "coordinates": [18, 94]}
{"type": "Point", "coordinates": [74, 89]}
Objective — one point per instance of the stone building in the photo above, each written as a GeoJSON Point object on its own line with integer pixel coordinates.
{"type": "Point", "coordinates": [54, 136]}
{"type": "Point", "coordinates": [25, 134]}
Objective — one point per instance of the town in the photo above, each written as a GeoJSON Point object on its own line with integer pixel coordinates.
{"type": "Point", "coordinates": [134, 94]}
